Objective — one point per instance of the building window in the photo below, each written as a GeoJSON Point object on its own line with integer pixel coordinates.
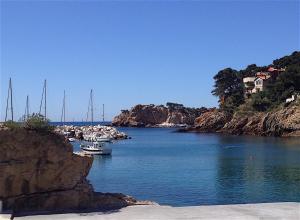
{"type": "Point", "coordinates": [258, 82]}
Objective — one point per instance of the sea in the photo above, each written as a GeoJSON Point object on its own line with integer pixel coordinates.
{"type": "Point", "coordinates": [189, 169]}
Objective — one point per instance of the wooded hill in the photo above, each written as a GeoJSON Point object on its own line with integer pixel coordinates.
{"type": "Point", "coordinates": [230, 89]}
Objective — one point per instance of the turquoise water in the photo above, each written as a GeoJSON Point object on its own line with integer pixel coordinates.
{"type": "Point", "coordinates": [184, 169]}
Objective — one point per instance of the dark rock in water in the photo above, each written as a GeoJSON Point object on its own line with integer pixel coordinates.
{"type": "Point", "coordinates": [40, 172]}
{"type": "Point", "coordinates": [155, 116]}
{"type": "Point", "coordinates": [283, 122]}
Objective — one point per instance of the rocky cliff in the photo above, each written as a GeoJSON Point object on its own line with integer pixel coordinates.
{"type": "Point", "coordinates": [152, 115]}
{"type": "Point", "coordinates": [40, 172]}
{"type": "Point", "coordinates": [283, 122]}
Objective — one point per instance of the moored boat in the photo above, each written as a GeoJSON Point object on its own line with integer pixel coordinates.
{"type": "Point", "coordinates": [96, 148]}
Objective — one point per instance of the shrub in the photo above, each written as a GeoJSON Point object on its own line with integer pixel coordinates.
{"type": "Point", "coordinates": [12, 124]}
{"type": "Point", "coordinates": [260, 102]}
{"type": "Point", "coordinates": [38, 122]}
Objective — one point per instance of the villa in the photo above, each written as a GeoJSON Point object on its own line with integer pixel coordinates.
{"type": "Point", "coordinates": [259, 82]}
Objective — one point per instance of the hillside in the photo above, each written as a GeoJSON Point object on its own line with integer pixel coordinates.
{"type": "Point", "coordinates": [258, 88]}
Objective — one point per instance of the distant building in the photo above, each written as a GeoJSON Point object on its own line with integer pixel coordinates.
{"type": "Point", "coordinates": [260, 80]}
{"type": "Point", "coordinates": [260, 84]}
{"type": "Point", "coordinates": [249, 85]}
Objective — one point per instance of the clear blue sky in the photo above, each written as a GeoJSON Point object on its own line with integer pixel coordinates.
{"type": "Point", "coordinates": [135, 52]}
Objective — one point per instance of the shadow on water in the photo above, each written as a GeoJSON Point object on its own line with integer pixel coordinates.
{"type": "Point", "coordinates": [102, 160]}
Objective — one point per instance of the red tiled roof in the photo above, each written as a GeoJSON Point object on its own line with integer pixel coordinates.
{"type": "Point", "coordinates": [272, 69]}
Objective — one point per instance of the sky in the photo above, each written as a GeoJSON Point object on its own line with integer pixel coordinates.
{"type": "Point", "coordinates": [134, 52]}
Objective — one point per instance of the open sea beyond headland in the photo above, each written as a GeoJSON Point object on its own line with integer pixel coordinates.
{"type": "Point", "coordinates": [186, 169]}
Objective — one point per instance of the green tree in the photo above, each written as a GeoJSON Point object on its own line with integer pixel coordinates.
{"type": "Point", "coordinates": [293, 59]}
{"type": "Point", "coordinates": [229, 88]}
{"type": "Point", "coordinates": [260, 102]}
{"type": "Point", "coordinates": [251, 70]}
{"type": "Point", "coordinates": [285, 85]}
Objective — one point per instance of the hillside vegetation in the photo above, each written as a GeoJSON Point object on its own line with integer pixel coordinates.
{"type": "Point", "coordinates": [230, 89]}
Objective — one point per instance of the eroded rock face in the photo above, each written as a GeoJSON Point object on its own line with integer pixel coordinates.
{"type": "Point", "coordinates": [34, 163]}
{"type": "Point", "coordinates": [284, 122]}
{"type": "Point", "coordinates": [250, 125]}
{"type": "Point", "coordinates": [39, 172]}
{"type": "Point", "coordinates": [153, 115]}
{"type": "Point", "coordinates": [211, 121]}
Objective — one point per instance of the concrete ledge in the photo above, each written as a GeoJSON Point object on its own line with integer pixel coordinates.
{"type": "Point", "coordinates": [4, 216]}
{"type": "Point", "coordinates": [288, 210]}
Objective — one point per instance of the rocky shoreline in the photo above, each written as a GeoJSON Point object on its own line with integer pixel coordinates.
{"type": "Point", "coordinates": [40, 173]}
{"type": "Point", "coordinates": [171, 115]}
{"type": "Point", "coordinates": [284, 122]}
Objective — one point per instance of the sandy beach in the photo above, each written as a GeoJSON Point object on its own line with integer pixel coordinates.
{"type": "Point", "coordinates": [288, 210]}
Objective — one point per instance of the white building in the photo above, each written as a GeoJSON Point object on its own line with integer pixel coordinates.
{"type": "Point", "coordinates": [257, 83]}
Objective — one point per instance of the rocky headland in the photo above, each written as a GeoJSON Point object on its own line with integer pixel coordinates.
{"type": "Point", "coordinates": [171, 115]}
{"type": "Point", "coordinates": [283, 122]}
{"type": "Point", "coordinates": [40, 173]}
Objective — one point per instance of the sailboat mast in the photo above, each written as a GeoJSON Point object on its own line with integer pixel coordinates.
{"type": "Point", "coordinates": [9, 96]}
{"type": "Point", "coordinates": [11, 101]}
{"type": "Point", "coordinates": [64, 106]}
{"type": "Point", "coordinates": [103, 112]}
{"type": "Point", "coordinates": [26, 115]}
{"type": "Point", "coordinates": [45, 99]}
{"type": "Point", "coordinates": [63, 111]}
{"type": "Point", "coordinates": [92, 107]}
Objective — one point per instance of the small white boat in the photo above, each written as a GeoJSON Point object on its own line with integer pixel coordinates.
{"type": "Point", "coordinates": [96, 148]}
{"type": "Point", "coordinates": [71, 139]}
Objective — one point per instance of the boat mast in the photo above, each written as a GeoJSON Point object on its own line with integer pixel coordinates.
{"type": "Point", "coordinates": [103, 112]}
{"type": "Point", "coordinates": [26, 115]}
{"type": "Point", "coordinates": [63, 112]}
{"type": "Point", "coordinates": [9, 96]}
{"type": "Point", "coordinates": [92, 107]}
{"type": "Point", "coordinates": [44, 98]}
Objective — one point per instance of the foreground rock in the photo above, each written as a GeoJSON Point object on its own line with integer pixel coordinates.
{"type": "Point", "coordinates": [171, 115]}
{"type": "Point", "coordinates": [283, 122]}
{"type": "Point", "coordinates": [39, 172]}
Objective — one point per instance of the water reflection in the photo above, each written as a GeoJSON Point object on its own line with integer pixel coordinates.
{"type": "Point", "coordinates": [191, 169]}
{"type": "Point", "coordinates": [257, 169]}
{"type": "Point", "coordinates": [102, 160]}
